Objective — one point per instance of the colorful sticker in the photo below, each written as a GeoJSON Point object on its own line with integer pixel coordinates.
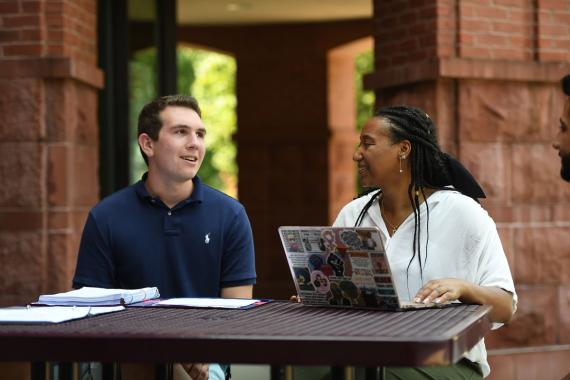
{"type": "Point", "coordinates": [303, 277]}
{"type": "Point", "coordinates": [320, 281]}
{"type": "Point", "coordinates": [292, 240]}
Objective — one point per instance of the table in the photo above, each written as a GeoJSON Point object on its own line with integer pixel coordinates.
{"type": "Point", "coordinates": [277, 333]}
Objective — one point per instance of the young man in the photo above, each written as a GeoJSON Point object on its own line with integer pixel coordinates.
{"type": "Point", "coordinates": [170, 230]}
{"type": "Point", "coordinates": [562, 141]}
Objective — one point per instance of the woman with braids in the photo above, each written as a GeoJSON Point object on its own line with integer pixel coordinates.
{"type": "Point", "coordinates": [441, 244]}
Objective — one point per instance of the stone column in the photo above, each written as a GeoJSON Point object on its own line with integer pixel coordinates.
{"type": "Point", "coordinates": [488, 73]}
{"type": "Point", "coordinates": [342, 122]}
{"type": "Point", "coordinates": [48, 142]}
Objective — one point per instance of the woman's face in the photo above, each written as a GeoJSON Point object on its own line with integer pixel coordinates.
{"type": "Point", "coordinates": [377, 157]}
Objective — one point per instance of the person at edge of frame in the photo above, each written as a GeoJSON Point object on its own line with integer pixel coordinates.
{"type": "Point", "coordinates": [562, 140]}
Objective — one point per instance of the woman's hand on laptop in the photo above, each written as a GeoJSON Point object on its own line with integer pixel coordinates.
{"type": "Point", "coordinates": [441, 291]}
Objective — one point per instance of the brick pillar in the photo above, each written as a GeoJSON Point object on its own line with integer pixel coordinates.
{"type": "Point", "coordinates": [48, 141]}
{"type": "Point", "coordinates": [487, 72]}
{"type": "Point", "coordinates": [282, 142]}
{"type": "Point", "coordinates": [342, 123]}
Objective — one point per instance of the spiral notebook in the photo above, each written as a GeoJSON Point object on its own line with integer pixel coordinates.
{"type": "Point", "coordinates": [343, 267]}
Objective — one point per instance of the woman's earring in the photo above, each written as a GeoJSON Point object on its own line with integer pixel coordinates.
{"type": "Point", "coordinates": [401, 158]}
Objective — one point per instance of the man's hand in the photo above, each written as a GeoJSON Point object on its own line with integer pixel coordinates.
{"type": "Point", "coordinates": [197, 371]}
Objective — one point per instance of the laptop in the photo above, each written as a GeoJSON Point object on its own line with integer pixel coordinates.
{"type": "Point", "coordinates": [343, 267]}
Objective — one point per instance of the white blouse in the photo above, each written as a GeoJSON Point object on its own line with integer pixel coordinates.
{"type": "Point", "coordinates": [463, 243]}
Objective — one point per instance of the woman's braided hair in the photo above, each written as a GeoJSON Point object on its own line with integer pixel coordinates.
{"type": "Point", "coordinates": [428, 164]}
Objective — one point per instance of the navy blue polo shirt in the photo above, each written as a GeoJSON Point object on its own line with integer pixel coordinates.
{"type": "Point", "coordinates": [132, 240]}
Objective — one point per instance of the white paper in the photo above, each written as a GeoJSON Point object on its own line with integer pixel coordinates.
{"type": "Point", "coordinates": [224, 303]}
{"type": "Point", "coordinates": [51, 314]}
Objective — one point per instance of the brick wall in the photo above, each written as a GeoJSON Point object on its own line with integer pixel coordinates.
{"type": "Point", "coordinates": [404, 32]}
{"type": "Point", "coordinates": [48, 141]}
{"type": "Point", "coordinates": [55, 28]}
{"type": "Point", "coordinates": [488, 72]}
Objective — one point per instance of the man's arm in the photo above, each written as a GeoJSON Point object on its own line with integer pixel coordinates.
{"type": "Point", "coordinates": [238, 262]}
{"type": "Point", "coordinates": [95, 265]}
{"type": "Point", "coordinates": [245, 291]}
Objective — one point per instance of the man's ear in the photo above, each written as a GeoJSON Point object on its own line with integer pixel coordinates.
{"type": "Point", "coordinates": [146, 144]}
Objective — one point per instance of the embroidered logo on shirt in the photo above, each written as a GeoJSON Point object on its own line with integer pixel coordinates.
{"type": "Point", "coordinates": [207, 238]}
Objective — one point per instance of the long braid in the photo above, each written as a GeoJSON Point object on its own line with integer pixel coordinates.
{"type": "Point", "coordinates": [428, 169]}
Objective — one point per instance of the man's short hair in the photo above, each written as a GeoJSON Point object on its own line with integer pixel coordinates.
{"type": "Point", "coordinates": [566, 84]}
{"type": "Point", "coordinates": [149, 117]}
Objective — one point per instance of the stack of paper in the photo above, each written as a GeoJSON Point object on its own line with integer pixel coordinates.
{"type": "Point", "coordinates": [51, 314]}
{"type": "Point", "coordinates": [219, 303]}
{"type": "Point", "coordinates": [88, 296]}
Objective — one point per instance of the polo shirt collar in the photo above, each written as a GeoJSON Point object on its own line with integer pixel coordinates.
{"type": "Point", "coordinates": [196, 196]}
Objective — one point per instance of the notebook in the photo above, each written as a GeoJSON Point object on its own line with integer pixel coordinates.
{"type": "Point", "coordinates": [89, 296]}
{"type": "Point", "coordinates": [343, 267]}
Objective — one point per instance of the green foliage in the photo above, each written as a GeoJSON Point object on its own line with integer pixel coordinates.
{"type": "Point", "coordinates": [210, 78]}
{"type": "Point", "coordinates": [364, 99]}
{"type": "Point", "coordinates": [142, 77]}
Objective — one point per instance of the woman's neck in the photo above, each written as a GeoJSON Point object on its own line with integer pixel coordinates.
{"type": "Point", "coordinates": [395, 206]}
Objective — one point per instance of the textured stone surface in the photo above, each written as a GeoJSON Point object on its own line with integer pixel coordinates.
{"type": "Point", "coordinates": [561, 212]}
{"type": "Point", "coordinates": [58, 175]}
{"type": "Point", "coordinates": [534, 324]}
{"type": "Point", "coordinates": [18, 95]}
{"type": "Point", "coordinates": [85, 130]}
{"type": "Point", "coordinates": [501, 214]}
{"type": "Point", "coordinates": [61, 110]}
{"type": "Point", "coordinates": [490, 164]}
{"type": "Point", "coordinates": [564, 313]}
{"type": "Point", "coordinates": [530, 365]}
{"type": "Point", "coordinates": [423, 95]}
{"type": "Point", "coordinates": [85, 176]}
{"type": "Point", "coordinates": [495, 111]}
{"type": "Point", "coordinates": [21, 170]}
{"type": "Point", "coordinates": [502, 367]}
{"type": "Point", "coordinates": [536, 175]}
{"type": "Point", "coordinates": [543, 365]}
{"type": "Point", "coordinates": [59, 220]}
{"type": "Point", "coordinates": [71, 112]}
{"type": "Point", "coordinates": [60, 262]}
{"type": "Point", "coordinates": [20, 220]}
{"type": "Point", "coordinates": [445, 116]}
{"type": "Point", "coordinates": [542, 255]}
{"type": "Point", "coordinates": [22, 263]}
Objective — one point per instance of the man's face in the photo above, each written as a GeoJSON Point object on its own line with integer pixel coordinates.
{"type": "Point", "coordinates": [180, 148]}
{"type": "Point", "coordinates": [562, 141]}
